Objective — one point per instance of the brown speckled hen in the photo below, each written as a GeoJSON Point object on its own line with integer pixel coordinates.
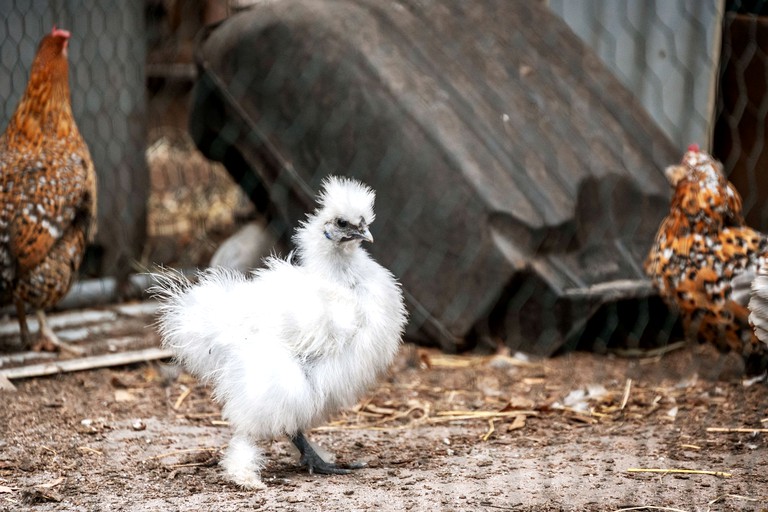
{"type": "Point", "coordinates": [47, 191]}
{"type": "Point", "coordinates": [705, 258]}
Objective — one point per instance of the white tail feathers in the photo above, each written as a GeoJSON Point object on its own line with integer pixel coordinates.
{"type": "Point", "coordinates": [191, 317]}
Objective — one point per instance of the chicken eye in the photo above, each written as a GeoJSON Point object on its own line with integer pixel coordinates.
{"type": "Point", "coordinates": [342, 223]}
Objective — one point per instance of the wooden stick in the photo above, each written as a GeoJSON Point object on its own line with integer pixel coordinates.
{"type": "Point", "coordinates": [625, 399]}
{"type": "Point", "coordinates": [5, 384]}
{"type": "Point", "coordinates": [338, 428]}
{"type": "Point", "coordinates": [189, 465]}
{"type": "Point", "coordinates": [183, 396]}
{"type": "Point", "coordinates": [448, 416]}
{"type": "Point", "coordinates": [485, 414]}
{"type": "Point", "coordinates": [198, 415]}
{"type": "Point", "coordinates": [739, 430]}
{"type": "Point", "coordinates": [453, 361]}
{"type": "Point", "coordinates": [733, 496]}
{"type": "Point", "coordinates": [52, 484]}
{"type": "Point", "coordinates": [649, 507]}
{"type": "Point", "coordinates": [86, 363]}
{"type": "Point", "coordinates": [90, 450]}
{"type": "Point", "coordinates": [442, 417]}
{"type": "Point", "coordinates": [180, 452]}
{"type": "Point", "coordinates": [721, 474]}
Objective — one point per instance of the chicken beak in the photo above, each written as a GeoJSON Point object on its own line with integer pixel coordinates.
{"type": "Point", "coordinates": [364, 234]}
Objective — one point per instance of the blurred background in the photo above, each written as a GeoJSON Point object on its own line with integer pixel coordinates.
{"type": "Point", "coordinates": [594, 98]}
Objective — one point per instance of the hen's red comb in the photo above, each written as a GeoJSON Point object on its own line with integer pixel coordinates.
{"type": "Point", "coordinates": [60, 32]}
{"type": "Point", "coordinates": [694, 147]}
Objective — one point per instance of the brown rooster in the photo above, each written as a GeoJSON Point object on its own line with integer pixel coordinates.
{"type": "Point", "coordinates": [47, 192]}
{"type": "Point", "coordinates": [705, 258]}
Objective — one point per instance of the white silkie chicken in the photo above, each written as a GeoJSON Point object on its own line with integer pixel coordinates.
{"type": "Point", "coordinates": [758, 304]}
{"type": "Point", "coordinates": [292, 343]}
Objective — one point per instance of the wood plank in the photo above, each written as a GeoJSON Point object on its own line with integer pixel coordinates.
{"type": "Point", "coordinates": [85, 363]}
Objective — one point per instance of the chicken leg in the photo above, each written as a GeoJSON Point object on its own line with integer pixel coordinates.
{"type": "Point", "coordinates": [21, 314]}
{"type": "Point", "coordinates": [315, 463]}
{"type": "Point", "coordinates": [47, 339]}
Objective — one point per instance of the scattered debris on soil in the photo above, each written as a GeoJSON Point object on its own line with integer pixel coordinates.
{"type": "Point", "coordinates": [679, 431]}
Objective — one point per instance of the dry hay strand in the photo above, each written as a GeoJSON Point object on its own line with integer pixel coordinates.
{"type": "Point", "coordinates": [649, 507]}
{"type": "Point", "coordinates": [181, 452]}
{"type": "Point", "coordinates": [367, 416]}
{"type": "Point", "coordinates": [738, 430]}
{"type": "Point", "coordinates": [448, 416]}
{"type": "Point", "coordinates": [183, 396]}
{"type": "Point", "coordinates": [451, 361]}
{"type": "Point", "coordinates": [666, 471]}
{"type": "Point", "coordinates": [733, 497]}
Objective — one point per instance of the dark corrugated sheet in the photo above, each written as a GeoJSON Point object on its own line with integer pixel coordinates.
{"type": "Point", "coordinates": [514, 174]}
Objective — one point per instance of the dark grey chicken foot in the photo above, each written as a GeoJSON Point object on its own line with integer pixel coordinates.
{"type": "Point", "coordinates": [313, 461]}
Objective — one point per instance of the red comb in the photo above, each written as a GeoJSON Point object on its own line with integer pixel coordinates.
{"type": "Point", "coordinates": [694, 147]}
{"type": "Point", "coordinates": [60, 32]}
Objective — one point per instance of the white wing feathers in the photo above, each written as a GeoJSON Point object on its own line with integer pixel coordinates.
{"type": "Point", "coordinates": [226, 311]}
{"type": "Point", "coordinates": [758, 305]}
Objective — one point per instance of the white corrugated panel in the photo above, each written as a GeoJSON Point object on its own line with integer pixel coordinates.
{"type": "Point", "coordinates": [666, 52]}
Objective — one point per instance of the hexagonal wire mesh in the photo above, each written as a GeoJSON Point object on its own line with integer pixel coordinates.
{"type": "Point", "coordinates": [667, 54]}
{"type": "Point", "coordinates": [106, 54]}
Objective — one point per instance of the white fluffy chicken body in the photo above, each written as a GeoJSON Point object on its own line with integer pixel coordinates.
{"type": "Point", "coordinates": [291, 344]}
{"type": "Point", "coordinates": [758, 305]}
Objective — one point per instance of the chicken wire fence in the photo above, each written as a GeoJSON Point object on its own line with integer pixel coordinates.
{"type": "Point", "coordinates": [106, 53]}
{"type": "Point", "coordinates": [698, 69]}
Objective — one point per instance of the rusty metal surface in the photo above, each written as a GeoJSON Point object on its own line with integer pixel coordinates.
{"type": "Point", "coordinates": [514, 174]}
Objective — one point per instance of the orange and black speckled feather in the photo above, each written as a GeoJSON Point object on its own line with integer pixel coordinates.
{"type": "Point", "coordinates": [704, 253]}
{"type": "Point", "coordinates": [47, 186]}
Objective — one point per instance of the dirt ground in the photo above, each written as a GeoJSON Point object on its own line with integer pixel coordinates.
{"type": "Point", "coordinates": [461, 433]}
